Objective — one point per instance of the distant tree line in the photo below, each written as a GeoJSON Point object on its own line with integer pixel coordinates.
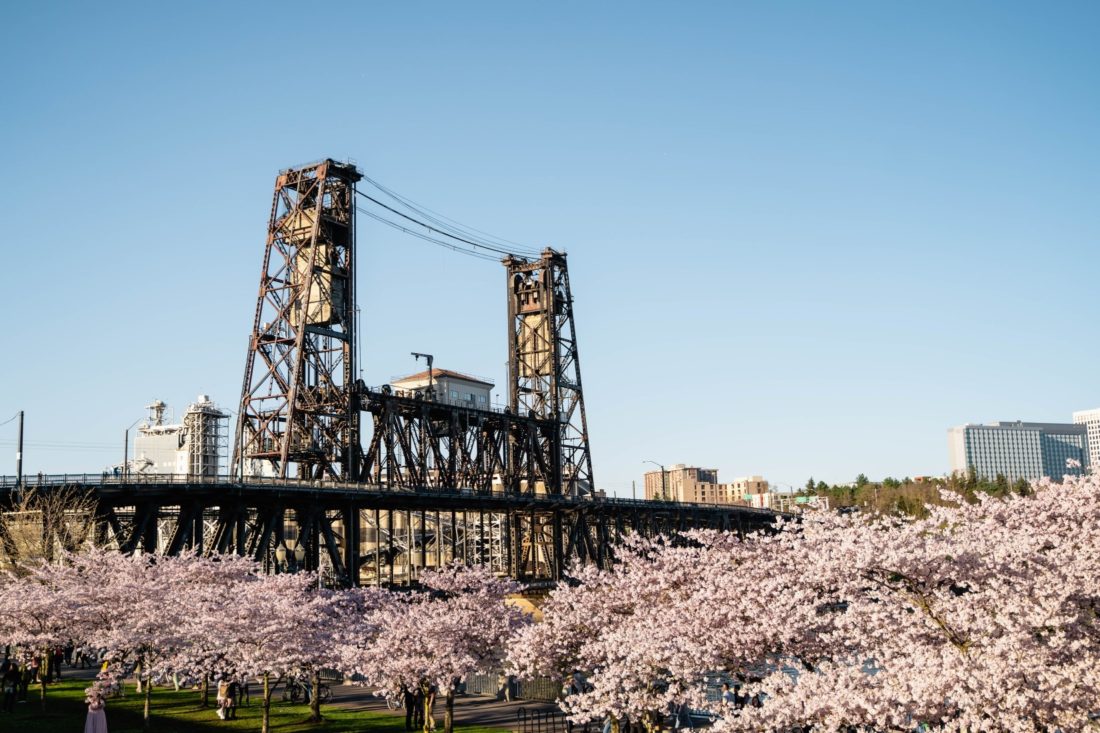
{"type": "Point", "coordinates": [913, 498]}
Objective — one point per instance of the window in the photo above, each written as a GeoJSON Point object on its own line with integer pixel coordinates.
{"type": "Point", "coordinates": [454, 394]}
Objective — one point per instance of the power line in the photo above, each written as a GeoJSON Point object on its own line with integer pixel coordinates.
{"type": "Point", "coordinates": [452, 224]}
{"type": "Point", "coordinates": [60, 447]}
{"type": "Point", "coordinates": [429, 227]}
{"type": "Point", "coordinates": [9, 419]}
{"type": "Point", "coordinates": [425, 237]}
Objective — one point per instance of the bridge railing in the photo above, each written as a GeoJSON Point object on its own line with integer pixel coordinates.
{"type": "Point", "coordinates": [108, 479]}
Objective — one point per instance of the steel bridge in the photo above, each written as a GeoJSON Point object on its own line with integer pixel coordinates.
{"type": "Point", "coordinates": [371, 486]}
{"type": "Point", "coordinates": [361, 533]}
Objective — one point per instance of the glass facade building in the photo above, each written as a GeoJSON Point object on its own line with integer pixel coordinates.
{"type": "Point", "coordinates": [1019, 450]}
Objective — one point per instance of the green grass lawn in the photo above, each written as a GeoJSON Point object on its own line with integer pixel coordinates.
{"type": "Point", "coordinates": [180, 712]}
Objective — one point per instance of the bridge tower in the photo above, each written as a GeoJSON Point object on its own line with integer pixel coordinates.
{"type": "Point", "coordinates": [544, 372]}
{"type": "Point", "coordinates": [298, 417]}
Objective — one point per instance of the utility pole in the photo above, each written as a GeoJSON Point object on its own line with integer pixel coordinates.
{"type": "Point", "coordinates": [19, 456]}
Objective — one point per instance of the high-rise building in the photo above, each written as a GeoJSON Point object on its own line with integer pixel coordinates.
{"type": "Point", "coordinates": [1018, 450]}
{"type": "Point", "coordinates": [1091, 420]}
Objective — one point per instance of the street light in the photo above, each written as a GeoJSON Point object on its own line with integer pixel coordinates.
{"type": "Point", "coordinates": [428, 358]}
{"type": "Point", "coordinates": [664, 486]}
{"type": "Point", "coordinates": [237, 469]}
{"type": "Point", "coordinates": [288, 559]}
{"type": "Point", "coordinates": [126, 448]}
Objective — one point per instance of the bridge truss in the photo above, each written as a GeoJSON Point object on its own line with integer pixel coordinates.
{"type": "Point", "coordinates": [364, 534]}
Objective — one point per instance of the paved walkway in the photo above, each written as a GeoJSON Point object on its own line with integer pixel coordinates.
{"type": "Point", "coordinates": [469, 709]}
{"type": "Point", "coordinates": [474, 710]}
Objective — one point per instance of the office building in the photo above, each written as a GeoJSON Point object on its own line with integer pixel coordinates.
{"type": "Point", "coordinates": [1018, 450]}
{"type": "Point", "coordinates": [1091, 420]}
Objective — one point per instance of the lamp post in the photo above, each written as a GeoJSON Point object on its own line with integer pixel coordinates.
{"type": "Point", "coordinates": [290, 560]}
{"type": "Point", "coordinates": [430, 359]}
{"type": "Point", "coordinates": [126, 449]}
{"type": "Point", "coordinates": [19, 456]}
{"type": "Point", "coordinates": [664, 483]}
{"type": "Point", "coordinates": [237, 469]}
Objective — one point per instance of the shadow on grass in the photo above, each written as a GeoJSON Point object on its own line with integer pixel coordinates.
{"type": "Point", "coordinates": [180, 712]}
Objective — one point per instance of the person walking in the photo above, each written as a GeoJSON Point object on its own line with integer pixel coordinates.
{"type": "Point", "coordinates": [25, 676]}
{"type": "Point", "coordinates": [232, 694]}
{"type": "Point", "coordinates": [10, 682]}
{"type": "Point", "coordinates": [222, 698]}
{"type": "Point", "coordinates": [418, 706]}
{"type": "Point", "coordinates": [408, 700]}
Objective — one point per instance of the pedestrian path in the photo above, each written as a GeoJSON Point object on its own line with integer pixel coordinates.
{"type": "Point", "coordinates": [481, 711]}
{"type": "Point", "coordinates": [472, 710]}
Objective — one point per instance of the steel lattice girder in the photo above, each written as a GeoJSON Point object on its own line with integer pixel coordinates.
{"type": "Point", "coordinates": [544, 366]}
{"type": "Point", "coordinates": [421, 444]}
{"type": "Point", "coordinates": [296, 406]}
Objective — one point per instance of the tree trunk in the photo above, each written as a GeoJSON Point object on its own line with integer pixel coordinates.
{"type": "Point", "coordinates": [315, 698]}
{"type": "Point", "coordinates": [265, 727]}
{"type": "Point", "coordinates": [42, 679]}
{"type": "Point", "coordinates": [205, 690]}
{"type": "Point", "coordinates": [426, 690]}
{"type": "Point", "coordinates": [449, 711]}
{"type": "Point", "coordinates": [148, 696]}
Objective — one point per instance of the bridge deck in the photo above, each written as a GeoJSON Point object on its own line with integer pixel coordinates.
{"type": "Point", "coordinates": [372, 533]}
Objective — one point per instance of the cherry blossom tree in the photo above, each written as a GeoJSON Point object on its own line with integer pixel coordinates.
{"type": "Point", "coordinates": [645, 635]}
{"type": "Point", "coordinates": [981, 616]}
{"type": "Point", "coordinates": [275, 626]}
{"type": "Point", "coordinates": [434, 638]}
{"type": "Point", "coordinates": [141, 608]}
{"type": "Point", "coordinates": [34, 617]}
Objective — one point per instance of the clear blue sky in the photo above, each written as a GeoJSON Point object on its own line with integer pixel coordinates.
{"type": "Point", "coordinates": [803, 238]}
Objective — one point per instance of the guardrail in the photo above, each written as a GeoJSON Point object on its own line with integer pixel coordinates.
{"type": "Point", "coordinates": [542, 721]}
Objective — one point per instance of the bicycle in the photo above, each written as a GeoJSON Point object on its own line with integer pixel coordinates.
{"type": "Point", "coordinates": [297, 691]}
